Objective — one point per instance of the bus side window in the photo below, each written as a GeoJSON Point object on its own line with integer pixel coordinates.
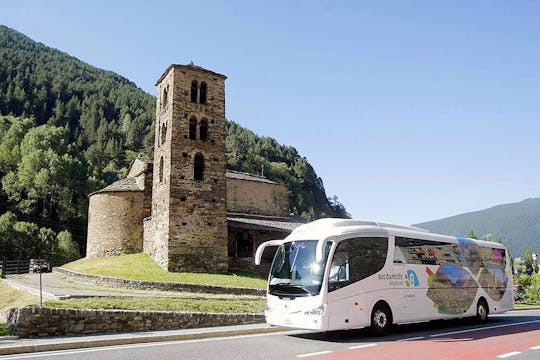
{"type": "Point", "coordinates": [398, 256]}
{"type": "Point", "coordinates": [356, 259]}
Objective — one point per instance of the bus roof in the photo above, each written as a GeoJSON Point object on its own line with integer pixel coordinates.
{"type": "Point", "coordinates": [333, 226]}
{"type": "Point", "coordinates": [336, 229]}
{"type": "Point", "coordinates": [333, 229]}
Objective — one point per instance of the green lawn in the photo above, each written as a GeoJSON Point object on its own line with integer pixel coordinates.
{"type": "Point", "coordinates": [12, 298]}
{"type": "Point", "coordinates": [527, 306]}
{"type": "Point", "coordinates": [142, 267]}
{"type": "Point", "coordinates": [163, 304]}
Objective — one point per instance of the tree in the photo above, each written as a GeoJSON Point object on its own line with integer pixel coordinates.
{"type": "Point", "coordinates": [50, 177]}
{"type": "Point", "coordinates": [7, 234]}
{"type": "Point", "coordinates": [472, 235]}
{"type": "Point", "coordinates": [12, 131]}
{"type": "Point", "coordinates": [68, 250]}
{"type": "Point", "coordinates": [530, 262]}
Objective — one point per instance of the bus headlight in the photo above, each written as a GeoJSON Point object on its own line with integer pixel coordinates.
{"type": "Point", "coordinates": [319, 310]}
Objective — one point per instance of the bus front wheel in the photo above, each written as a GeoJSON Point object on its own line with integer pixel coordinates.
{"type": "Point", "coordinates": [381, 319]}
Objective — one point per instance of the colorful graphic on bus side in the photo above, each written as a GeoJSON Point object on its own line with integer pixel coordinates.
{"type": "Point", "coordinates": [411, 279]}
{"type": "Point", "coordinates": [454, 286]}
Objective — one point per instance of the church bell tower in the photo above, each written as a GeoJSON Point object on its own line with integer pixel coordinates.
{"type": "Point", "coordinates": [187, 230]}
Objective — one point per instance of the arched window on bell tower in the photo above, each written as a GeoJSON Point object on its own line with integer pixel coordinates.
{"type": "Point", "coordinates": [163, 133]}
{"type": "Point", "coordinates": [202, 97]}
{"type": "Point", "coordinates": [161, 170]}
{"type": "Point", "coordinates": [165, 97]}
{"type": "Point", "coordinates": [203, 130]}
{"type": "Point", "coordinates": [194, 89]}
{"type": "Point", "coordinates": [192, 128]}
{"type": "Point", "coordinates": [198, 167]}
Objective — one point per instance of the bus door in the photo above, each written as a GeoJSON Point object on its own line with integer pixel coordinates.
{"type": "Point", "coordinates": [351, 276]}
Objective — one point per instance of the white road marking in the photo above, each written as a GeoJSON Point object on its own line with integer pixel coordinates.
{"type": "Point", "coordinates": [536, 347]}
{"type": "Point", "coordinates": [361, 346]}
{"type": "Point", "coordinates": [412, 339]}
{"type": "Point", "coordinates": [509, 354]}
{"type": "Point", "coordinates": [132, 346]}
{"type": "Point", "coordinates": [313, 354]}
{"type": "Point", "coordinates": [484, 328]}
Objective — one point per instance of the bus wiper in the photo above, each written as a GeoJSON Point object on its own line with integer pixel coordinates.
{"type": "Point", "coordinates": [283, 286]}
{"type": "Point", "coordinates": [303, 288]}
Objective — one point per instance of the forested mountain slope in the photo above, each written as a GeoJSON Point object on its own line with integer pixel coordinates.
{"type": "Point", "coordinates": [518, 224]}
{"type": "Point", "coordinates": [70, 128]}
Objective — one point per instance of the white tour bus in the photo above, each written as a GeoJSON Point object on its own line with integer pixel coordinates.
{"type": "Point", "coordinates": [334, 274]}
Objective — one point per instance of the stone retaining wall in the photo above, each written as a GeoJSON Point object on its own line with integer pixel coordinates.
{"type": "Point", "coordinates": [37, 322]}
{"type": "Point", "coordinates": [154, 285]}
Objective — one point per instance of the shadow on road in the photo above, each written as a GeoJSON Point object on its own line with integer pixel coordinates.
{"type": "Point", "coordinates": [436, 327]}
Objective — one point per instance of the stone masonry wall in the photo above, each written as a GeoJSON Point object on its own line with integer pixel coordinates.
{"type": "Point", "coordinates": [252, 197]}
{"type": "Point", "coordinates": [189, 216]}
{"type": "Point", "coordinates": [37, 322]}
{"type": "Point", "coordinates": [156, 228]}
{"type": "Point", "coordinates": [114, 223]}
{"type": "Point", "coordinates": [137, 167]}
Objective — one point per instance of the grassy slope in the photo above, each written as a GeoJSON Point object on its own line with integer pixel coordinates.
{"type": "Point", "coordinates": [11, 298]}
{"type": "Point", "coordinates": [165, 304]}
{"type": "Point", "coordinates": [142, 267]}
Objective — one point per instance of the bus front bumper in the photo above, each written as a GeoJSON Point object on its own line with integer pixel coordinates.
{"type": "Point", "coordinates": [283, 315]}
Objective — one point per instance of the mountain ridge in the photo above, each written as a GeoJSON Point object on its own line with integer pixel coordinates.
{"type": "Point", "coordinates": [518, 224]}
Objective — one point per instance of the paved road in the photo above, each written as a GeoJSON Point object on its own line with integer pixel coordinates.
{"type": "Point", "coordinates": [515, 336]}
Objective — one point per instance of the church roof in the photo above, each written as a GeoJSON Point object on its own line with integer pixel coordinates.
{"type": "Point", "coordinates": [128, 184]}
{"type": "Point", "coordinates": [189, 66]}
{"type": "Point", "coordinates": [246, 176]}
{"type": "Point", "coordinates": [261, 222]}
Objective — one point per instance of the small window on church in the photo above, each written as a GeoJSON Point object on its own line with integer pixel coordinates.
{"type": "Point", "coordinates": [202, 97]}
{"type": "Point", "coordinates": [204, 130]}
{"type": "Point", "coordinates": [161, 170]}
{"type": "Point", "coordinates": [198, 167]}
{"type": "Point", "coordinates": [165, 96]}
{"type": "Point", "coordinates": [193, 128]}
{"type": "Point", "coordinates": [194, 88]}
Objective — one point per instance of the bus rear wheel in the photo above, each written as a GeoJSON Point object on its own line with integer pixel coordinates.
{"type": "Point", "coordinates": [381, 319]}
{"type": "Point", "coordinates": [482, 311]}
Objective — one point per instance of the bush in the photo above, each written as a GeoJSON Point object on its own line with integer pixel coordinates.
{"type": "Point", "coordinates": [529, 288]}
{"type": "Point", "coordinates": [533, 293]}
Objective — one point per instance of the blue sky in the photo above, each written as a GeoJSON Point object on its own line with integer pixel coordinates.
{"type": "Point", "coordinates": [408, 110]}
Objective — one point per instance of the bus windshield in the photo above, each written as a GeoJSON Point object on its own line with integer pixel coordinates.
{"type": "Point", "coordinates": [295, 272]}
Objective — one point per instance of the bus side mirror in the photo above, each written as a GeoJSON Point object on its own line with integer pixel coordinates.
{"type": "Point", "coordinates": [260, 249]}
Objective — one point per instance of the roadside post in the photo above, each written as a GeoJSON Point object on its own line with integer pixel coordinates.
{"type": "Point", "coordinates": [38, 267]}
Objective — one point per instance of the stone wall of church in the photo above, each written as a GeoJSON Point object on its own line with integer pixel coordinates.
{"type": "Point", "coordinates": [114, 223]}
{"type": "Point", "coordinates": [254, 197]}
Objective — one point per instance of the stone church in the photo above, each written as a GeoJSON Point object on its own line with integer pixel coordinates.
{"type": "Point", "coordinates": [184, 208]}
